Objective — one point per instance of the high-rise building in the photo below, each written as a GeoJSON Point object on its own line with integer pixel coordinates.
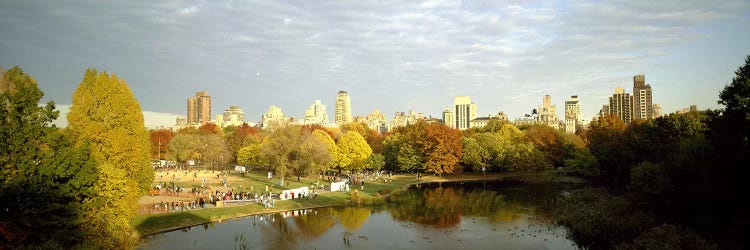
{"type": "Point", "coordinates": [572, 114]}
{"type": "Point", "coordinates": [401, 119]}
{"type": "Point", "coordinates": [657, 111]}
{"type": "Point", "coordinates": [548, 112]}
{"type": "Point", "coordinates": [316, 114]}
{"type": "Point", "coordinates": [199, 108]}
{"type": "Point", "coordinates": [274, 117]}
{"type": "Point", "coordinates": [343, 108]}
{"type": "Point", "coordinates": [464, 111]}
{"type": "Point", "coordinates": [448, 118]}
{"type": "Point", "coordinates": [621, 104]}
{"type": "Point", "coordinates": [233, 116]}
{"type": "Point", "coordinates": [642, 101]}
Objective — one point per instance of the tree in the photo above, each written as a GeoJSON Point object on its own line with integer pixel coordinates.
{"type": "Point", "coordinates": [238, 137]}
{"type": "Point", "coordinates": [44, 178]}
{"type": "Point", "coordinates": [281, 150]}
{"type": "Point", "coordinates": [210, 128]}
{"type": "Point", "coordinates": [375, 162]}
{"type": "Point", "coordinates": [105, 115]}
{"type": "Point", "coordinates": [314, 156]}
{"type": "Point", "coordinates": [183, 147]}
{"type": "Point", "coordinates": [159, 141]}
{"type": "Point", "coordinates": [443, 149]}
{"type": "Point", "coordinates": [333, 150]}
{"type": "Point", "coordinates": [353, 151]}
{"type": "Point", "coordinates": [475, 156]}
{"type": "Point", "coordinates": [582, 162]}
{"type": "Point", "coordinates": [212, 149]}
{"type": "Point", "coordinates": [249, 155]}
{"type": "Point", "coordinates": [410, 158]}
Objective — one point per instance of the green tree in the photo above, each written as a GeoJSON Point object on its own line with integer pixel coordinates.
{"type": "Point", "coordinates": [105, 114]}
{"type": "Point", "coordinates": [281, 150]}
{"type": "Point", "coordinates": [375, 162]}
{"type": "Point", "coordinates": [353, 150]}
{"type": "Point", "coordinates": [44, 178]}
{"type": "Point", "coordinates": [314, 156]}
{"type": "Point", "coordinates": [183, 147]}
{"type": "Point", "coordinates": [475, 156]}
{"type": "Point", "coordinates": [582, 162]}
{"type": "Point", "coordinates": [409, 158]}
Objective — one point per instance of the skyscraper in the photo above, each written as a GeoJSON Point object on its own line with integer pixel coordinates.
{"type": "Point", "coordinates": [199, 108]}
{"type": "Point", "coordinates": [621, 104]}
{"type": "Point", "coordinates": [572, 114]}
{"type": "Point", "coordinates": [657, 111]}
{"type": "Point", "coordinates": [464, 112]}
{"type": "Point", "coordinates": [642, 101]}
{"type": "Point", "coordinates": [316, 114]}
{"type": "Point", "coordinates": [448, 118]}
{"type": "Point", "coordinates": [343, 108]}
{"type": "Point", "coordinates": [548, 112]}
{"type": "Point", "coordinates": [233, 116]}
{"type": "Point", "coordinates": [274, 117]}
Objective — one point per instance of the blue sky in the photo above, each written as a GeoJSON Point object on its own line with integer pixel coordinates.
{"type": "Point", "coordinates": [389, 55]}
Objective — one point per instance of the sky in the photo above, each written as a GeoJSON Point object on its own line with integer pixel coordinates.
{"type": "Point", "coordinates": [388, 55]}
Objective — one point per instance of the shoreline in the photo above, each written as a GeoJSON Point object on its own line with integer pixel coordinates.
{"type": "Point", "coordinates": [212, 215]}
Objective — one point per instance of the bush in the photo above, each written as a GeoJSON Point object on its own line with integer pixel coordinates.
{"type": "Point", "coordinates": [597, 219]}
{"type": "Point", "coordinates": [668, 237]}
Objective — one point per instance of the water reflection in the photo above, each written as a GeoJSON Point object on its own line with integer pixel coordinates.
{"type": "Point", "coordinates": [447, 216]}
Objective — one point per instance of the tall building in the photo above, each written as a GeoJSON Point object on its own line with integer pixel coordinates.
{"type": "Point", "coordinates": [274, 117]}
{"type": "Point", "coordinates": [548, 112]}
{"type": "Point", "coordinates": [572, 114]}
{"type": "Point", "coordinates": [401, 119]}
{"type": "Point", "coordinates": [464, 111]}
{"type": "Point", "coordinates": [642, 101]}
{"type": "Point", "coordinates": [621, 104]}
{"type": "Point", "coordinates": [232, 116]}
{"type": "Point", "coordinates": [199, 108]}
{"type": "Point", "coordinates": [343, 108]}
{"type": "Point", "coordinates": [316, 114]}
{"type": "Point", "coordinates": [657, 111]}
{"type": "Point", "coordinates": [448, 118]}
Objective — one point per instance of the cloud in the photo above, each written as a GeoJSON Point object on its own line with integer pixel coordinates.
{"type": "Point", "coordinates": [387, 54]}
{"type": "Point", "coordinates": [151, 119]}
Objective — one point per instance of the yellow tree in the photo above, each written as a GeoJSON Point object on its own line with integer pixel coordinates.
{"type": "Point", "coordinates": [106, 115]}
{"type": "Point", "coordinates": [330, 145]}
{"type": "Point", "coordinates": [353, 151]}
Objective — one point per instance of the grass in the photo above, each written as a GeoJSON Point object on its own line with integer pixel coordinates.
{"type": "Point", "coordinates": [374, 192]}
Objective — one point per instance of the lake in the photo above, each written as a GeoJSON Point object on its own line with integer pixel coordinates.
{"type": "Point", "coordinates": [457, 215]}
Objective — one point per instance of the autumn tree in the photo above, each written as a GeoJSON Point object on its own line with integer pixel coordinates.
{"type": "Point", "coordinates": [281, 149]}
{"type": "Point", "coordinates": [353, 151]}
{"type": "Point", "coordinates": [249, 155]}
{"type": "Point", "coordinates": [333, 150]}
{"type": "Point", "coordinates": [106, 115]}
{"type": "Point", "coordinates": [239, 137]}
{"type": "Point", "coordinates": [159, 141]}
{"type": "Point", "coordinates": [443, 149]}
{"type": "Point", "coordinates": [44, 178]}
{"type": "Point", "coordinates": [183, 147]}
{"type": "Point", "coordinates": [314, 156]}
{"type": "Point", "coordinates": [210, 128]}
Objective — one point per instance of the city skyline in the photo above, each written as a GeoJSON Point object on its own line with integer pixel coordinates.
{"type": "Point", "coordinates": [394, 56]}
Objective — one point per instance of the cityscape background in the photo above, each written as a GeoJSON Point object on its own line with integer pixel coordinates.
{"type": "Point", "coordinates": [390, 56]}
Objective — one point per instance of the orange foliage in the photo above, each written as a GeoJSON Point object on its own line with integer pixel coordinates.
{"type": "Point", "coordinates": [159, 141]}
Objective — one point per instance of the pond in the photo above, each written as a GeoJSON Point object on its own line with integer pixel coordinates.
{"type": "Point", "coordinates": [459, 215]}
